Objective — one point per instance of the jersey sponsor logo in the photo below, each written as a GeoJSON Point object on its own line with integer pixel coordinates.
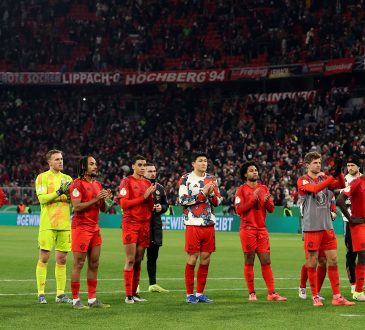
{"type": "Point", "coordinates": [237, 200]}
{"type": "Point", "coordinates": [123, 192]}
{"type": "Point", "coordinates": [75, 193]}
{"type": "Point", "coordinates": [41, 189]}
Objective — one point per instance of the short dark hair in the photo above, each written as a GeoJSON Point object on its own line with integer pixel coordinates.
{"type": "Point", "coordinates": [150, 164]}
{"type": "Point", "coordinates": [245, 167]}
{"type": "Point", "coordinates": [137, 157]}
{"type": "Point", "coordinates": [52, 152]}
{"type": "Point", "coordinates": [82, 168]}
{"type": "Point", "coordinates": [311, 156]}
{"type": "Point", "coordinates": [198, 154]}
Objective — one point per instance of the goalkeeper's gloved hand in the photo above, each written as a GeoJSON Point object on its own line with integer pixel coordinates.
{"type": "Point", "coordinates": [108, 202]}
{"type": "Point", "coordinates": [338, 167]}
{"type": "Point", "coordinates": [64, 188]}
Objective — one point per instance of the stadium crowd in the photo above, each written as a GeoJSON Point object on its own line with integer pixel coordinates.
{"type": "Point", "coordinates": [95, 35]}
{"type": "Point", "coordinates": [167, 126]}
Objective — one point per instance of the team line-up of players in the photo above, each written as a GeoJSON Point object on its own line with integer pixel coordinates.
{"type": "Point", "coordinates": [143, 200]}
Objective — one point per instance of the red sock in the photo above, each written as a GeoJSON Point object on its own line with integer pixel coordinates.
{"type": "Point", "coordinates": [268, 277]}
{"type": "Point", "coordinates": [136, 275]}
{"type": "Point", "coordinates": [201, 278]}
{"type": "Point", "coordinates": [128, 282]}
{"type": "Point", "coordinates": [334, 279]}
{"type": "Point", "coordinates": [91, 288]}
{"type": "Point", "coordinates": [75, 289]}
{"type": "Point", "coordinates": [312, 276]}
{"type": "Point", "coordinates": [303, 276]}
{"type": "Point", "coordinates": [249, 277]}
{"type": "Point", "coordinates": [321, 275]}
{"type": "Point", "coordinates": [359, 273]}
{"type": "Point", "coordinates": [189, 278]}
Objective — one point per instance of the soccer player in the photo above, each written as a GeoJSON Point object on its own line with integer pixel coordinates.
{"type": "Point", "coordinates": [252, 201]}
{"type": "Point", "coordinates": [136, 200]}
{"type": "Point", "coordinates": [160, 207]}
{"type": "Point", "coordinates": [88, 198]}
{"type": "Point", "coordinates": [317, 224]}
{"type": "Point", "coordinates": [356, 191]}
{"type": "Point", "coordinates": [198, 194]}
{"type": "Point", "coordinates": [52, 188]}
{"type": "Point", "coordinates": [322, 262]}
{"type": "Point", "coordinates": [353, 169]}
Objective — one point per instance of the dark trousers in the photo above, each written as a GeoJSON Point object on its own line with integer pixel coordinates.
{"type": "Point", "coordinates": [350, 255]}
{"type": "Point", "coordinates": [152, 255]}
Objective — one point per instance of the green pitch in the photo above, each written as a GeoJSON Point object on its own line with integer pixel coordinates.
{"type": "Point", "coordinates": [231, 310]}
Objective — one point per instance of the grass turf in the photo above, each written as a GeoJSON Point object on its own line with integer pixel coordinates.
{"type": "Point", "coordinates": [19, 308]}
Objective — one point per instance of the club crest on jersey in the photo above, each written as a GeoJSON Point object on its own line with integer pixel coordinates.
{"type": "Point", "coordinates": [347, 189]}
{"type": "Point", "coordinates": [305, 182]}
{"type": "Point", "coordinates": [321, 199]}
{"type": "Point", "coordinates": [123, 192]}
{"type": "Point", "coordinates": [75, 193]}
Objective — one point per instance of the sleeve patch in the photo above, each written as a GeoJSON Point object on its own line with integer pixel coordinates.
{"type": "Point", "coordinates": [237, 200]}
{"type": "Point", "coordinates": [75, 193]}
{"type": "Point", "coordinates": [123, 192]}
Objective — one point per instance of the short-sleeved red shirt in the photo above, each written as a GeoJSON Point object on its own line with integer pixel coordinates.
{"type": "Point", "coordinates": [86, 191]}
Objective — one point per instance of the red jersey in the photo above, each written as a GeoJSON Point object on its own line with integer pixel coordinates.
{"type": "Point", "coordinates": [252, 211]}
{"type": "Point", "coordinates": [305, 186]}
{"type": "Point", "coordinates": [2, 198]}
{"type": "Point", "coordinates": [135, 206]}
{"type": "Point", "coordinates": [356, 190]}
{"type": "Point", "coordinates": [86, 191]}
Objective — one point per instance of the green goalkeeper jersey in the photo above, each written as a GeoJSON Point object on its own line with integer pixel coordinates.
{"type": "Point", "coordinates": [55, 210]}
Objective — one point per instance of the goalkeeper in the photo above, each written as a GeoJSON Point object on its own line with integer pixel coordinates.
{"type": "Point", "coordinates": [53, 192]}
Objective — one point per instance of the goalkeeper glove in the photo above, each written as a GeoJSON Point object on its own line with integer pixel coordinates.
{"type": "Point", "coordinates": [64, 187]}
{"type": "Point", "coordinates": [108, 202]}
{"type": "Point", "coordinates": [338, 167]}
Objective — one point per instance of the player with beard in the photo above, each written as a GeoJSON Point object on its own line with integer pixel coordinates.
{"type": "Point", "coordinates": [353, 172]}
{"type": "Point", "coordinates": [160, 207]}
{"type": "Point", "coordinates": [314, 190]}
{"type": "Point", "coordinates": [356, 219]}
{"type": "Point", "coordinates": [88, 198]}
{"type": "Point", "coordinates": [252, 201]}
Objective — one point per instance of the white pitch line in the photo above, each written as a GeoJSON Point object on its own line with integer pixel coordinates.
{"type": "Point", "coordinates": [174, 290]}
{"type": "Point", "coordinates": [351, 315]}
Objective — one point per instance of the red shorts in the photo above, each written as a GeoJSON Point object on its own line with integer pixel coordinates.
{"type": "Point", "coordinates": [320, 240]}
{"type": "Point", "coordinates": [199, 239]}
{"type": "Point", "coordinates": [136, 233]}
{"type": "Point", "coordinates": [82, 239]}
{"type": "Point", "coordinates": [320, 254]}
{"type": "Point", "coordinates": [253, 240]}
{"type": "Point", "coordinates": [357, 237]}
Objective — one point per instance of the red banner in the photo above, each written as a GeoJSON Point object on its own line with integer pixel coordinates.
{"type": "Point", "coordinates": [188, 76]}
{"type": "Point", "coordinates": [341, 65]}
{"type": "Point", "coordinates": [313, 67]}
{"type": "Point", "coordinates": [276, 97]}
{"type": "Point", "coordinates": [249, 73]}
{"type": "Point", "coordinates": [57, 78]}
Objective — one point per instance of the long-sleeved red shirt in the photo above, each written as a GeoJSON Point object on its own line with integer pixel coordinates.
{"type": "Point", "coordinates": [135, 206]}
{"type": "Point", "coordinates": [252, 211]}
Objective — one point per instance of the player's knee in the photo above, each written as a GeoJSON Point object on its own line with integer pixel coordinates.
{"type": "Point", "coordinates": [94, 264]}
{"type": "Point", "coordinates": [79, 263]}
{"type": "Point", "coordinates": [322, 262]}
{"type": "Point", "coordinates": [332, 261]}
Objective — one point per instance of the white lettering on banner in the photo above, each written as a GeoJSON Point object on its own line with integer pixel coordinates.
{"type": "Point", "coordinates": [175, 76]}
{"type": "Point", "coordinates": [177, 223]}
{"type": "Point", "coordinates": [27, 220]}
{"type": "Point", "coordinates": [276, 97]}
{"type": "Point", "coordinates": [89, 78]}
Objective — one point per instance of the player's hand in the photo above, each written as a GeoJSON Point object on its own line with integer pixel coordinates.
{"type": "Point", "coordinates": [338, 167]}
{"type": "Point", "coordinates": [256, 193]}
{"type": "Point", "coordinates": [108, 202]}
{"type": "Point", "coordinates": [356, 220]}
{"type": "Point", "coordinates": [102, 194]}
{"type": "Point", "coordinates": [207, 188]}
{"type": "Point", "coordinates": [267, 197]}
{"type": "Point", "coordinates": [321, 174]}
{"type": "Point", "coordinates": [150, 190]}
{"type": "Point", "coordinates": [333, 215]}
{"type": "Point", "coordinates": [158, 207]}
{"type": "Point", "coordinates": [64, 188]}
